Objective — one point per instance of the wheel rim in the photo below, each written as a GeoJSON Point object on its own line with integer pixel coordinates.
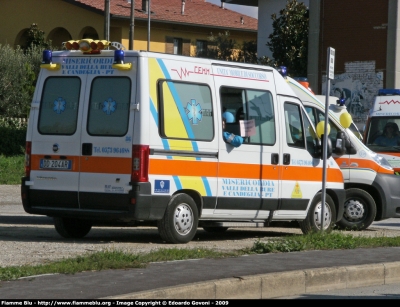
{"type": "Point", "coordinates": [354, 210]}
{"type": "Point", "coordinates": [183, 219]}
{"type": "Point", "coordinates": [327, 216]}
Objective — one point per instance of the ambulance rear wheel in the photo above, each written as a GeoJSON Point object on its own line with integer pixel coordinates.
{"type": "Point", "coordinates": [72, 228]}
{"type": "Point", "coordinates": [359, 210]}
{"type": "Point", "coordinates": [179, 224]}
{"type": "Point", "coordinates": [313, 221]}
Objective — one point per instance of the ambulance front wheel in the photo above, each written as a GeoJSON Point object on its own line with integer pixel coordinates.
{"type": "Point", "coordinates": [313, 221]}
{"type": "Point", "coordinates": [179, 224]}
{"type": "Point", "coordinates": [72, 228]}
{"type": "Point", "coordinates": [359, 210]}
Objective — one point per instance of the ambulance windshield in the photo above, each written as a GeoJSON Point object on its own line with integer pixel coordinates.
{"type": "Point", "coordinates": [384, 135]}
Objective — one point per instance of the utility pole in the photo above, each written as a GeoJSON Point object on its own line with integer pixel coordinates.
{"type": "Point", "coordinates": [107, 20]}
{"type": "Point", "coordinates": [132, 25]}
{"type": "Point", "coordinates": [148, 26]}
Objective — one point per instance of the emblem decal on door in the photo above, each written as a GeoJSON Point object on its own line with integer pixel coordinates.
{"type": "Point", "coordinates": [109, 106]}
{"type": "Point", "coordinates": [161, 186]}
{"type": "Point", "coordinates": [194, 112]}
{"type": "Point", "coordinates": [59, 105]}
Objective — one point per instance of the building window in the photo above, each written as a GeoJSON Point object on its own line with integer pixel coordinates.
{"type": "Point", "coordinates": [177, 46]}
{"type": "Point", "coordinates": [201, 48]}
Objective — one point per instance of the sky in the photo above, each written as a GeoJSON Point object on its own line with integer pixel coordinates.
{"type": "Point", "coordinates": [246, 10]}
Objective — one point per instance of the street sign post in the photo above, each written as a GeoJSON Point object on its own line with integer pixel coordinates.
{"type": "Point", "coordinates": [330, 75]}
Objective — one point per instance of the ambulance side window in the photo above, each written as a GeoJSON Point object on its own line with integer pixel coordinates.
{"type": "Point", "coordinates": [109, 106]}
{"type": "Point", "coordinates": [294, 126]}
{"type": "Point", "coordinates": [58, 112]}
{"type": "Point", "coordinates": [252, 109]}
{"type": "Point", "coordinates": [185, 111]}
{"type": "Point", "coordinates": [311, 136]}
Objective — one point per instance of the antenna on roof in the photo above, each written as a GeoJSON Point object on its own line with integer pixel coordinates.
{"type": "Point", "coordinates": [183, 7]}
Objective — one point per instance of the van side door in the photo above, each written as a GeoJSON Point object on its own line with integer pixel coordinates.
{"type": "Point", "coordinates": [301, 173]}
{"type": "Point", "coordinates": [248, 175]}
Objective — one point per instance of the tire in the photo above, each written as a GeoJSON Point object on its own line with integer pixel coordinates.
{"type": "Point", "coordinates": [359, 210]}
{"type": "Point", "coordinates": [215, 229]}
{"type": "Point", "coordinates": [312, 223]}
{"type": "Point", "coordinates": [180, 220]}
{"type": "Point", "coordinates": [71, 228]}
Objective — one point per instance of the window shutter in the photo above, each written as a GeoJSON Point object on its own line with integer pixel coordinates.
{"type": "Point", "coordinates": [186, 47]}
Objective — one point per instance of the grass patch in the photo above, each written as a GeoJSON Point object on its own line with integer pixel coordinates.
{"type": "Point", "coordinates": [322, 241]}
{"type": "Point", "coordinates": [11, 169]}
{"type": "Point", "coordinates": [113, 259]}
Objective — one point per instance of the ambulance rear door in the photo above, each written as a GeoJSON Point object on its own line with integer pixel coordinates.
{"type": "Point", "coordinates": [106, 136]}
{"type": "Point", "coordinates": [56, 118]}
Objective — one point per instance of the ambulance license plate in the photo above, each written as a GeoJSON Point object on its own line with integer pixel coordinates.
{"type": "Point", "coordinates": [55, 164]}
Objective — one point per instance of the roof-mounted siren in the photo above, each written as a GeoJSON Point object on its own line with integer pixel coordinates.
{"type": "Point", "coordinates": [119, 61]}
{"type": "Point", "coordinates": [283, 71]}
{"type": "Point", "coordinates": [304, 82]}
{"type": "Point", "coordinates": [389, 92]}
{"type": "Point", "coordinates": [87, 45]}
{"type": "Point", "coordinates": [47, 61]}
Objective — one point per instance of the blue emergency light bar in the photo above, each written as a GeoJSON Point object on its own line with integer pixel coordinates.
{"type": "Point", "coordinates": [47, 61]}
{"type": "Point", "coordinates": [388, 91]}
{"type": "Point", "coordinates": [47, 57]}
{"type": "Point", "coordinates": [341, 102]}
{"type": "Point", "coordinates": [119, 57]}
{"type": "Point", "coordinates": [283, 71]}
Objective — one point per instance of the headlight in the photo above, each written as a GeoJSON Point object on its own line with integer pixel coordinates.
{"type": "Point", "coordinates": [382, 161]}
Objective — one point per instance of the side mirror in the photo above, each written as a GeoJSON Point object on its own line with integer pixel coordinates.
{"type": "Point", "coordinates": [319, 149]}
{"type": "Point", "coordinates": [340, 147]}
{"type": "Point", "coordinates": [350, 148]}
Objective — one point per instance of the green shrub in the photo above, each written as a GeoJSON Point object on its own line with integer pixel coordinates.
{"type": "Point", "coordinates": [19, 72]}
{"type": "Point", "coordinates": [13, 135]}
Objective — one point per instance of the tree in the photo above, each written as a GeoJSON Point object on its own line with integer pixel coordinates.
{"type": "Point", "coordinates": [222, 47]}
{"type": "Point", "coordinates": [36, 38]}
{"type": "Point", "coordinates": [289, 39]}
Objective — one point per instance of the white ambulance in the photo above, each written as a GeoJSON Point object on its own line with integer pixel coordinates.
{"type": "Point", "coordinates": [372, 192]}
{"type": "Point", "coordinates": [136, 138]}
{"type": "Point", "coordinates": [383, 116]}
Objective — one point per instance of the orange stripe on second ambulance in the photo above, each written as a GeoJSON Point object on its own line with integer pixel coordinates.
{"type": "Point", "coordinates": [362, 163]}
{"type": "Point", "coordinates": [240, 170]}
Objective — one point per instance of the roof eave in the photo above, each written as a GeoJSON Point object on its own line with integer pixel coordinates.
{"type": "Point", "coordinates": [184, 23]}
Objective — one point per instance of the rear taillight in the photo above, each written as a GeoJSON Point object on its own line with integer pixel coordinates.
{"type": "Point", "coordinates": [28, 149]}
{"type": "Point", "coordinates": [140, 161]}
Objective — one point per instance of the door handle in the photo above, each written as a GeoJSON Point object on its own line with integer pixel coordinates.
{"type": "Point", "coordinates": [87, 149]}
{"type": "Point", "coordinates": [286, 159]}
{"type": "Point", "coordinates": [274, 158]}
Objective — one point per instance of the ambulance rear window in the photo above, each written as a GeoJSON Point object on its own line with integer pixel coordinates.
{"type": "Point", "coordinates": [109, 106]}
{"type": "Point", "coordinates": [59, 106]}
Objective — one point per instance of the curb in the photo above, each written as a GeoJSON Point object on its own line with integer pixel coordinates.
{"type": "Point", "coordinates": [273, 285]}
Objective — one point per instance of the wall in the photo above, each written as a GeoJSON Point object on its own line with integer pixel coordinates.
{"type": "Point", "coordinates": [358, 85]}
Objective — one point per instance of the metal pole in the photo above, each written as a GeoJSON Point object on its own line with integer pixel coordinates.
{"type": "Point", "coordinates": [107, 20]}
{"type": "Point", "coordinates": [132, 25]}
{"type": "Point", "coordinates": [148, 27]}
{"type": "Point", "coordinates": [330, 64]}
